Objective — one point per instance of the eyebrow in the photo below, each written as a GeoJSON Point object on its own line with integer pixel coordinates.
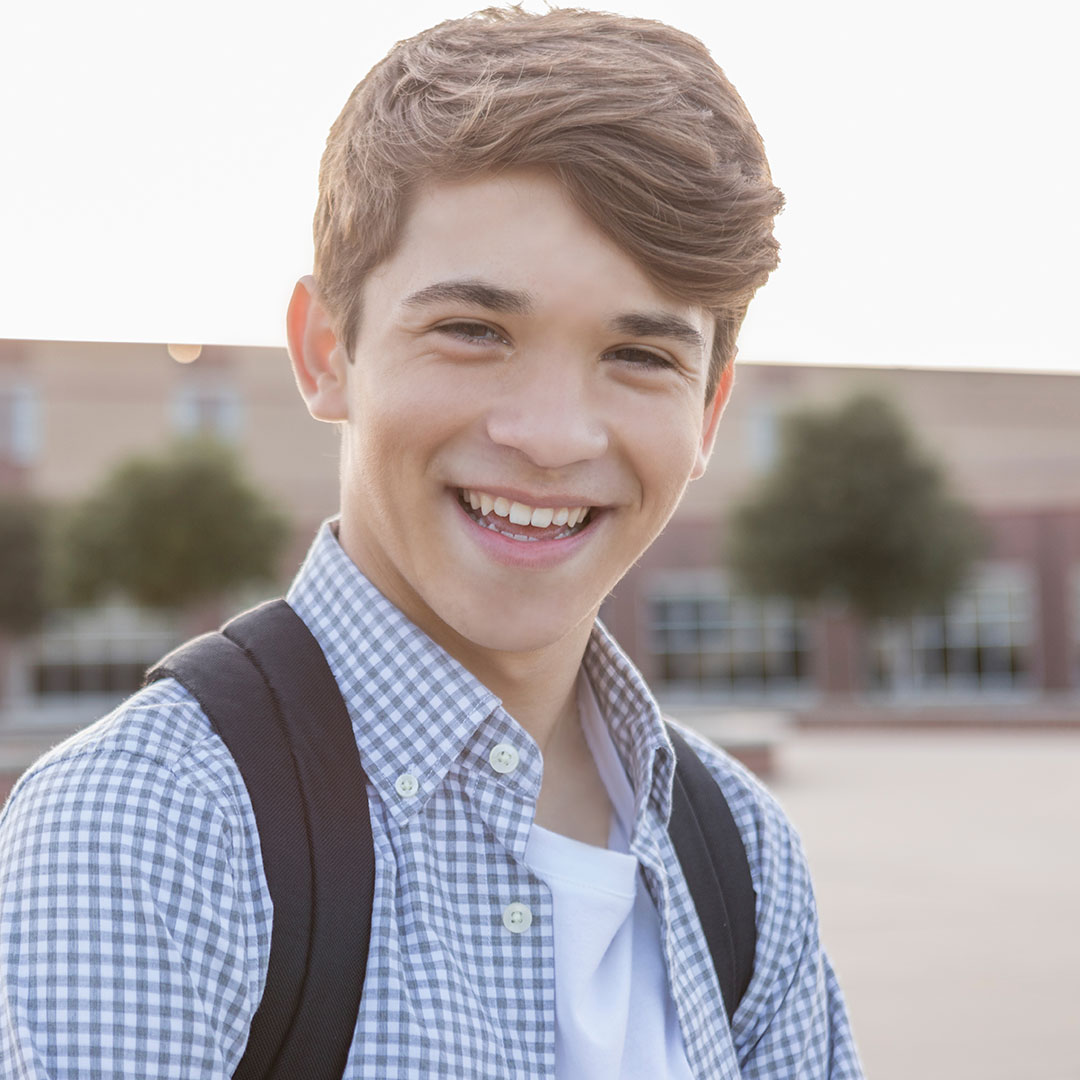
{"type": "Point", "coordinates": [519, 302]}
{"type": "Point", "coordinates": [658, 324]}
{"type": "Point", "coordinates": [473, 291]}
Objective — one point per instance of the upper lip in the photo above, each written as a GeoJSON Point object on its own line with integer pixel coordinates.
{"type": "Point", "coordinates": [554, 501]}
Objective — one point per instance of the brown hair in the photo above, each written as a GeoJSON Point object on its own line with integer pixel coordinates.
{"type": "Point", "coordinates": [634, 117]}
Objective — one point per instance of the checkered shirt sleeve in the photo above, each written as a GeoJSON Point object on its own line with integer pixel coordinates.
{"type": "Point", "coordinates": [127, 924]}
{"type": "Point", "coordinates": [135, 920]}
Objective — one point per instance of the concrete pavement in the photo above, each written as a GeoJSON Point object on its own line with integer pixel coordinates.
{"type": "Point", "coordinates": [947, 869]}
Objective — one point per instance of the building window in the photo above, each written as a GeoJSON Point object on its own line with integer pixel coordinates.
{"type": "Point", "coordinates": [20, 424]}
{"type": "Point", "coordinates": [207, 409]}
{"type": "Point", "coordinates": [711, 643]}
{"type": "Point", "coordinates": [979, 644]}
{"type": "Point", "coordinates": [763, 436]}
{"type": "Point", "coordinates": [98, 651]}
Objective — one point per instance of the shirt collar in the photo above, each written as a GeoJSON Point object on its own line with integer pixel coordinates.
{"type": "Point", "coordinates": [634, 722]}
{"type": "Point", "coordinates": [414, 707]}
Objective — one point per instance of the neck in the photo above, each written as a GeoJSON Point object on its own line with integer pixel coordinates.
{"type": "Point", "coordinates": [537, 689]}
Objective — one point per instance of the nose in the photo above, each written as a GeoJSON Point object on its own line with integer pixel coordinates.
{"type": "Point", "coordinates": [547, 415]}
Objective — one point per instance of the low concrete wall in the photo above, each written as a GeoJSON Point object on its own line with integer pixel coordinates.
{"type": "Point", "coordinates": [751, 737]}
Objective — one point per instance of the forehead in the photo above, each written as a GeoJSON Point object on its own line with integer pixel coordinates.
{"type": "Point", "coordinates": [522, 231]}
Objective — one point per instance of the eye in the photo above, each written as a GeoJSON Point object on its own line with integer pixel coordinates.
{"type": "Point", "coordinates": [474, 332]}
{"type": "Point", "coordinates": [640, 358]}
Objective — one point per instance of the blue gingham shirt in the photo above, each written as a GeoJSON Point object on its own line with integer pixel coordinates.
{"type": "Point", "coordinates": [135, 920]}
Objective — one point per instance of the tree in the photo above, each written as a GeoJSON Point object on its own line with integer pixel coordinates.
{"type": "Point", "coordinates": [171, 530]}
{"type": "Point", "coordinates": [22, 564]}
{"type": "Point", "coordinates": [854, 514]}
{"type": "Point", "coordinates": [23, 574]}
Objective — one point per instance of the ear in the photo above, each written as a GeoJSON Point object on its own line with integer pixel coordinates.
{"type": "Point", "coordinates": [319, 362]}
{"type": "Point", "coordinates": [713, 411]}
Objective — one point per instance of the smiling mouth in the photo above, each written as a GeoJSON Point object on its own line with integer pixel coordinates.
{"type": "Point", "coordinates": [518, 521]}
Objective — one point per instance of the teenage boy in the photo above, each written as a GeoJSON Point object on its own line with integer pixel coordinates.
{"type": "Point", "coordinates": [536, 239]}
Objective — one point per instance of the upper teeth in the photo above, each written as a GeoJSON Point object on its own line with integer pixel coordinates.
{"type": "Point", "coordinates": [520, 514]}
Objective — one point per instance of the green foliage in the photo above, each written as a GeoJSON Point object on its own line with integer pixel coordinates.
{"type": "Point", "coordinates": [853, 513]}
{"type": "Point", "coordinates": [22, 564]}
{"type": "Point", "coordinates": [170, 530]}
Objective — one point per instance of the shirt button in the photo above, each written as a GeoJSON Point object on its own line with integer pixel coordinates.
{"type": "Point", "coordinates": [407, 785]}
{"type": "Point", "coordinates": [517, 918]}
{"type": "Point", "coordinates": [504, 758]}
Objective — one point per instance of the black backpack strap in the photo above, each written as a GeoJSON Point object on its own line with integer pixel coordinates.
{"type": "Point", "coordinates": [269, 693]}
{"type": "Point", "coordinates": [713, 860]}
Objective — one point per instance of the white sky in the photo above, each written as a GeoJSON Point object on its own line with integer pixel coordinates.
{"type": "Point", "coordinates": [159, 163]}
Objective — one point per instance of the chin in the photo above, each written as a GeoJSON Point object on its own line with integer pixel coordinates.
{"type": "Point", "coordinates": [524, 631]}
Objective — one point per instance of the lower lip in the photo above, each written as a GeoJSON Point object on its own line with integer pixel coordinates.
{"type": "Point", "coordinates": [526, 554]}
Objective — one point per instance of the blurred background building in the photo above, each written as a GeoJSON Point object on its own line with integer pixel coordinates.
{"type": "Point", "coordinates": [1006, 649]}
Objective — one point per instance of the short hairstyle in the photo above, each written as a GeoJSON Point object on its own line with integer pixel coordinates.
{"type": "Point", "coordinates": [633, 117]}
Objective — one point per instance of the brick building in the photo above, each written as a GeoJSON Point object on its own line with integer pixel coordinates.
{"type": "Point", "coordinates": [1009, 646]}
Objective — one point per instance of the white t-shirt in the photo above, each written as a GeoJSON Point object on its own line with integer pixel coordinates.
{"type": "Point", "coordinates": [614, 1015]}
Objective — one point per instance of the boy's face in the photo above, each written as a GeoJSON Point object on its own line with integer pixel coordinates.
{"type": "Point", "coordinates": [509, 350]}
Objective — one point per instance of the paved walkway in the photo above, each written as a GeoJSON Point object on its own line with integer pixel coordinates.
{"type": "Point", "coordinates": [948, 877]}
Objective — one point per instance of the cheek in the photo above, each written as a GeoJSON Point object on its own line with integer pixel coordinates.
{"type": "Point", "coordinates": [372, 447]}
{"type": "Point", "coordinates": [665, 452]}
{"type": "Point", "coordinates": [396, 427]}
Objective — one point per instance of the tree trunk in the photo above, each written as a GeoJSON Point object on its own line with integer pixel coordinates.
{"type": "Point", "coordinates": [5, 660]}
{"type": "Point", "coordinates": [840, 652]}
